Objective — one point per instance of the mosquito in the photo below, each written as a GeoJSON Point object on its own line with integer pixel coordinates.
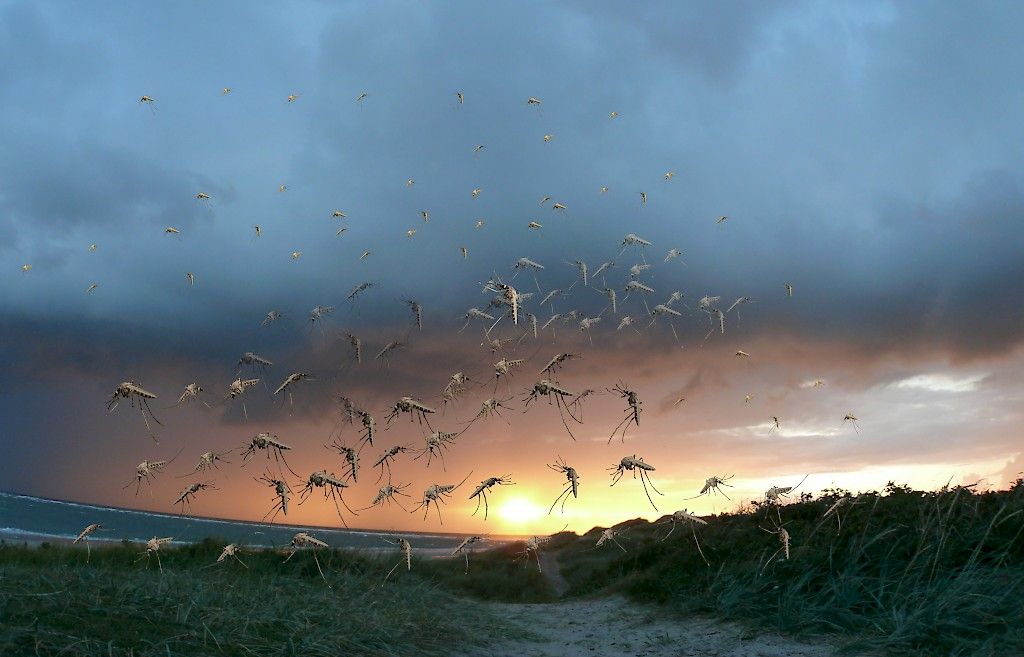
{"type": "Point", "coordinates": [302, 539]}
{"type": "Point", "coordinates": [207, 461]}
{"type": "Point", "coordinates": [480, 492]}
{"type": "Point", "coordinates": [636, 465]}
{"type": "Point", "coordinates": [387, 458]}
{"type": "Point", "coordinates": [435, 494]}
{"type": "Point", "coordinates": [272, 317]}
{"type": "Point", "coordinates": [556, 395]}
{"type": "Point", "coordinates": [192, 391]}
{"type": "Point", "coordinates": [713, 485]}
{"type": "Point", "coordinates": [147, 472]}
{"type": "Point", "coordinates": [189, 494]}
{"type": "Point", "coordinates": [388, 349]}
{"type": "Point", "coordinates": [386, 495]}
{"type": "Point", "coordinates": [356, 344]}
{"type": "Point", "coordinates": [153, 546]}
{"type": "Point", "coordinates": [416, 410]}
{"type": "Point", "coordinates": [254, 363]}
{"type": "Point", "coordinates": [437, 442]}
{"type": "Point", "coordinates": [83, 537]}
{"type": "Point", "coordinates": [490, 407]}
{"type": "Point", "coordinates": [332, 487]}
{"type": "Point", "coordinates": [282, 495]}
{"type": "Point", "coordinates": [608, 536]}
{"type": "Point", "coordinates": [692, 520]}
{"type": "Point", "coordinates": [633, 410]}
{"type": "Point", "coordinates": [464, 548]}
{"type": "Point", "coordinates": [351, 456]}
{"type": "Point", "coordinates": [136, 396]}
{"type": "Point", "coordinates": [572, 484]}
{"type": "Point", "coordinates": [288, 384]}
{"type": "Point", "coordinates": [403, 544]}
{"type": "Point", "coordinates": [269, 442]}
{"type": "Point", "coordinates": [237, 388]}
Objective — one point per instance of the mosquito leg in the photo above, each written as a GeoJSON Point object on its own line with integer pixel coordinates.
{"type": "Point", "coordinates": [555, 503]}
{"type": "Point", "coordinates": [643, 481]}
{"type": "Point", "coordinates": [643, 475]}
{"type": "Point", "coordinates": [317, 561]}
{"type": "Point", "coordinates": [697, 542]}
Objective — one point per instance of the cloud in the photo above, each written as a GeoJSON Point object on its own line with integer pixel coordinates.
{"type": "Point", "coordinates": [844, 142]}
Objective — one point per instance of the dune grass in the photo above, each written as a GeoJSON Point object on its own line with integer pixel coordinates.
{"type": "Point", "coordinates": [52, 602]}
{"type": "Point", "coordinates": [906, 573]}
{"type": "Point", "coordinates": [909, 572]}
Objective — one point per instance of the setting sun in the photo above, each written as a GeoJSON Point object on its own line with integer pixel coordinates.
{"type": "Point", "coordinates": [519, 511]}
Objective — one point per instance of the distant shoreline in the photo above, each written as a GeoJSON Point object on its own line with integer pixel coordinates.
{"type": "Point", "coordinates": [17, 534]}
{"type": "Point", "coordinates": [19, 538]}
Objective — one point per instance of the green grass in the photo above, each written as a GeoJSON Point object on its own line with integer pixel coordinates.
{"type": "Point", "coordinates": [52, 602]}
{"type": "Point", "coordinates": [909, 573]}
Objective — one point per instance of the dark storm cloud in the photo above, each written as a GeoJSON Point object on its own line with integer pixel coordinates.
{"type": "Point", "coordinates": [860, 151]}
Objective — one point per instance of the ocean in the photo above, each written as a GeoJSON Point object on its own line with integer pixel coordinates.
{"type": "Point", "coordinates": [23, 517]}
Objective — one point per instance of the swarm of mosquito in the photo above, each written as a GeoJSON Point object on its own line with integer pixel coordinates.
{"type": "Point", "coordinates": [508, 302]}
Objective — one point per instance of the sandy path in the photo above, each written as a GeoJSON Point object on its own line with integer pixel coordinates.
{"type": "Point", "coordinates": [618, 628]}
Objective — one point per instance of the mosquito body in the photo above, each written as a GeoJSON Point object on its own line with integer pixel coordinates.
{"type": "Point", "coordinates": [480, 492]}
{"type": "Point", "coordinates": [388, 349]}
{"type": "Point", "coordinates": [83, 537]}
{"type": "Point", "coordinates": [684, 516]}
{"type": "Point", "coordinates": [608, 536]}
{"type": "Point", "coordinates": [146, 472]}
{"type": "Point", "coordinates": [557, 360]}
{"type": "Point", "coordinates": [237, 388]}
{"type": "Point", "coordinates": [488, 408]}
{"type": "Point", "coordinates": [332, 487]}
{"type": "Point", "coordinates": [572, 483]}
{"type": "Point", "coordinates": [387, 458]}
{"type": "Point", "coordinates": [191, 392]}
{"type": "Point", "coordinates": [301, 540]}
{"type": "Point", "coordinates": [386, 495]}
{"type": "Point", "coordinates": [453, 389]}
{"type": "Point", "coordinates": [318, 313]}
{"type": "Point", "coordinates": [351, 457]}
{"type": "Point", "coordinates": [464, 548]}
{"type": "Point", "coordinates": [358, 290]}
{"type": "Point", "coordinates": [272, 317]}
{"type": "Point", "coordinates": [437, 442]}
{"type": "Point", "coordinates": [282, 495]}
{"type": "Point", "coordinates": [289, 384]}
{"type": "Point", "coordinates": [636, 466]}
{"type": "Point", "coordinates": [153, 546]}
{"type": "Point", "coordinates": [436, 494]}
{"type": "Point", "coordinates": [254, 363]}
{"type": "Point", "coordinates": [207, 462]}
{"type": "Point", "coordinates": [189, 494]}
{"type": "Point", "coordinates": [633, 410]}
{"type": "Point", "coordinates": [137, 396]}
{"type": "Point", "coordinates": [556, 395]}
{"type": "Point", "coordinates": [404, 546]}
{"type": "Point", "coordinates": [712, 485]}
{"type": "Point", "coordinates": [417, 312]}
{"type": "Point", "coordinates": [231, 550]}
{"type": "Point", "coordinates": [356, 345]}
{"type": "Point", "coordinates": [416, 410]}
{"type": "Point", "coordinates": [268, 442]}
{"type": "Point", "coordinates": [475, 313]}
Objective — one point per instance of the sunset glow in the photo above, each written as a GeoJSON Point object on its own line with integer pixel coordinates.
{"type": "Point", "coordinates": [520, 513]}
{"type": "Point", "coordinates": [836, 257]}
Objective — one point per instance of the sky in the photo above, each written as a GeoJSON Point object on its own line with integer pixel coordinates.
{"type": "Point", "coordinates": [868, 153]}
